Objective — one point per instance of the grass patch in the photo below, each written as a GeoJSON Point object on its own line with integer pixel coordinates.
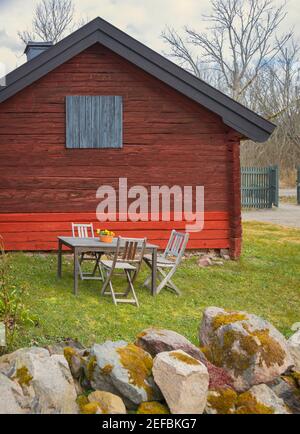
{"type": "Point", "coordinates": [266, 281]}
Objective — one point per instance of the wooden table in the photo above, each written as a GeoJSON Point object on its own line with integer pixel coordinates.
{"type": "Point", "coordinates": [83, 245]}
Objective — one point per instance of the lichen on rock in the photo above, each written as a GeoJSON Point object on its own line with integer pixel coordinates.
{"type": "Point", "coordinates": [138, 364]}
{"type": "Point", "coordinates": [227, 318]}
{"type": "Point", "coordinates": [122, 369]}
{"type": "Point", "coordinates": [92, 408]}
{"type": "Point", "coordinates": [248, 404]}
{"type": "Point", "coordinates": [23, 376]}
{"type": "Point", "coordinates": [69, 352]}
{"type": "Point", "coordinates": [221, 401]}
{"type": "Point", "coordinates": [249, 348]}
{"type": "Point", "coordinates": [153, 407]}
{"type": "Point", "coordinates": [185, 358]}
{"type": "Point", "coordinates": [90, 367]}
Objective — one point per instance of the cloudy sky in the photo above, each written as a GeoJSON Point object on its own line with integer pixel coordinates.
{"type": "Point", "coordinates": [142, 19]}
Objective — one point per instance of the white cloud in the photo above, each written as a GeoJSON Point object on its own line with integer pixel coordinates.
{"type": "Point", "coordinates": [142, 19]}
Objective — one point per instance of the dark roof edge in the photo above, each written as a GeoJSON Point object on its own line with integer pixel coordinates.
{"type": "Point", "coordinates": [235, 115]}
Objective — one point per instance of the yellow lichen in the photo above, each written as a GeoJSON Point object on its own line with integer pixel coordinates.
{"type": "Point", "coordinates": [270, 350]}
{"type": "Point", "coordinates": [23, 376]}
{"type": "Point", "coordinates": [106, 370]}
{"type": "Point", "coordinates": [255, 343]}
{"type": "Point", "coordinates": [92, 408]}
{"type": "Point", "coordinates": [81, 401]}
{"type": "Point", "coordinates": [185, 358]}
{"type": "Point", "coordinates": [206, 351]}
{"type": "Point", "coordinates": [227, 318]}
{"type": "Point", "coordinates": [248, 404]}
{"type": "Point", "coordinates": [139, 366]}
{"type": "Point", "coordinates": [223, 400]}
{"type": "Point", "coordinates": [227, 401]}
{"type": "Point", "coordinates": [152, 408]}
{"type": "Point", "coordinates": [296, 375]}
{"type": "Point", "coordinates": [141, 335]}
{"type": "Point", "coordinates": [91, 367]}
{"type": "Point", "coordinates": [69, 352]}
{"type": "Point", "coordinates": [145, 332]}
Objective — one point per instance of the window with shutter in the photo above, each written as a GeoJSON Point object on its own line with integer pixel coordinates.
{"type": "Point", "coordinates": [94, 122]}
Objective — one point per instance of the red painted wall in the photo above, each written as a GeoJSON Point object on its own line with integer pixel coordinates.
{"type": "Point", "coordinates": [168, 140]}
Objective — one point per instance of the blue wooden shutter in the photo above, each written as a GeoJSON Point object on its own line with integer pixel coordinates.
{"type": "Point", "coordinates": [94, 122]}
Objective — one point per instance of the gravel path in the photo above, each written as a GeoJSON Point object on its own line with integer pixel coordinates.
{"type": "Point", "coordinates": [285, 215]}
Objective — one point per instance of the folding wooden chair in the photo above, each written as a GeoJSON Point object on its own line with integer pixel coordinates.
{"type": "Point", "coordinates": [127, 259]}
{"type": "Point", "coordinates": [83, 230]}
{"type": "Point", "coordinates": [168, 262]}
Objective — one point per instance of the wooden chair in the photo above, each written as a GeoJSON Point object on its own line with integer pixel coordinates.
{"type": "Point", "coordinates": [83, 230]}
{"type": "Point", "coordinates": [168, 262]}
{"type": "Point", "coordinates": [127, 259]}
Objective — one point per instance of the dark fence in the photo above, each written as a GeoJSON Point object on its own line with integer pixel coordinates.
{"type": "Point", "coordinates": [260, 187]}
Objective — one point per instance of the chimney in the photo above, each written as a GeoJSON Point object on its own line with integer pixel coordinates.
{"type": "Point", "coordinates": [34, 49]}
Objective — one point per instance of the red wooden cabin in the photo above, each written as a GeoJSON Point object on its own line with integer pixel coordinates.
{"type": "Point", "coordinates": [175, 130]}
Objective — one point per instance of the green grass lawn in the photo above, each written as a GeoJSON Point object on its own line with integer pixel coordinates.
{"type": "Point", "coordinates": [266, 281]}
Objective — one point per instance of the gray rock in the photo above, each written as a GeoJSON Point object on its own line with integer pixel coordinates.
{"type": "Point", "coordinates": [124, 370]}
{"type": "Point", "coordinates": [183, 381]}
{"type": "Point", "coordinates": [45, 380]}
{"type": "Point", "coordinates": [294, 347]}
{"type": "Point", "coordinates": [205, 261]}
{"type": "Point", "coordinates": [288, 393]}
{"type": "Point", "coordinates": [264, 395]}
{"type": "Point", "coordinates": [249, 348]}
{"type": "Point", "coordinates": [155, 340]}
{"type": "Point", "coordinates": [12, 400]}
{"type": "Point", "coordinates": [59, 347]}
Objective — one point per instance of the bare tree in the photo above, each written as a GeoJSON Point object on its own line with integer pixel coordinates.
{"type": "Point", "coordinates": [276, 95]}
{"type": "Point", "coordinates": [242, 39]}
{"type": "Point", "coordinates": [52, 20]}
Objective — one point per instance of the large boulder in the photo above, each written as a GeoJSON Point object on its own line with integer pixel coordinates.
{"type": "Point", "coordinates": [156, 340]}
{"type": "Point", "coordinates": [45, 381]}
{"type": "Point", "coordinates": [124, 370]}
{"type": "Point", "coordinates": [294, 347]}
{"type": "Point", "coordinates": [183, 381]}
{"type": "Point", "coordinates": [249, 348]}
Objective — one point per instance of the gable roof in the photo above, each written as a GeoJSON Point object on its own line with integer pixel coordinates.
{"type": "Point", "coordinates": [235, 115]}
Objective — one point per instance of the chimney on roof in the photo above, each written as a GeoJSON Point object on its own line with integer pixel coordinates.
{"type": "Point", "coordinates": [34, 49]}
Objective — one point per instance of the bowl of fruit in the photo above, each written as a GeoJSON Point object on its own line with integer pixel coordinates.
{"type": "Point", "coordinates": [105, 235]}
